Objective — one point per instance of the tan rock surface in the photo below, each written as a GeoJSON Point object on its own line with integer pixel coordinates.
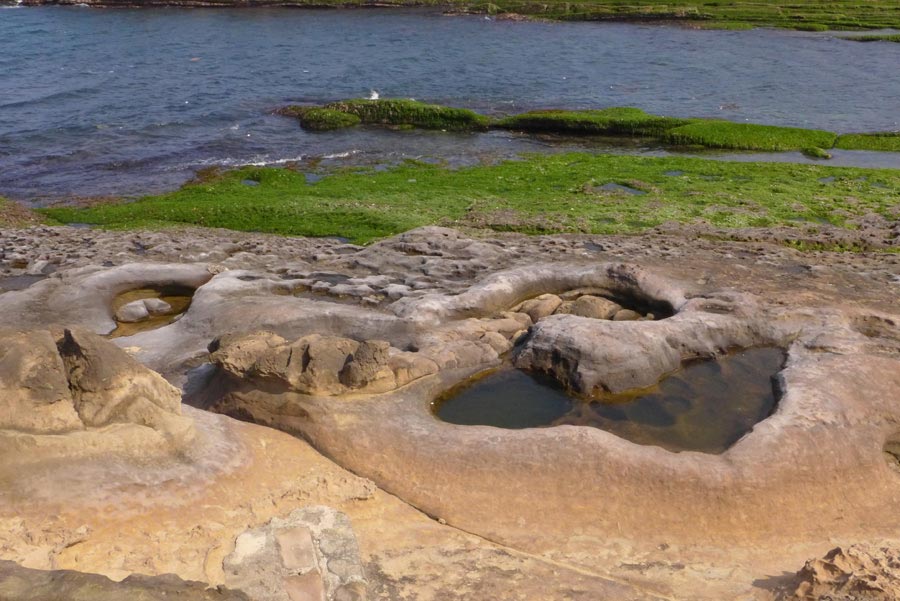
{"type": "Point", "coordinates": [855, 573]}
{"type": "Point", "coordinates": [558, 513]}
{"type": "Point", "coordinates": [34, 391]}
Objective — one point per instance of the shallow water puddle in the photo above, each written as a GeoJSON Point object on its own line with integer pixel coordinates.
{"type": "Point", "coordinates": [19, 282]}
{"type": "Point", "coordinates": [706, 406]}
{"type": "Point", "coordinates": [178, 297]}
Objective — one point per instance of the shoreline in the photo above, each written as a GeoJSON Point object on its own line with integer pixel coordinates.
{"type": "Point", "coordinates": [721, 16]}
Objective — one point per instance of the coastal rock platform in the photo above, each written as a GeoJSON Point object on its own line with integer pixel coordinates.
{"type": "Point", "coordinates": [337, 352]}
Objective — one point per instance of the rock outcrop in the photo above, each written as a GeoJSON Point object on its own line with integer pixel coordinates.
{"type": "Point", "coordinates": [319, 365]}
{"type": "Point", "coordinates": [854, 573]}
{"type": "Point", "coordinates": [77, 384]}
{"type": "Point", "coordinates": [34, 390]}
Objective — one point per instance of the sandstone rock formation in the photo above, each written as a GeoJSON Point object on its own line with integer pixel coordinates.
{"type": "Point", "coordinates": [74, 382]}
{"type": "Point", "coordinates": [319, 365]}
{"type": "Point", "coordinates": [575, 512]}
{"type": "Point", "coordinates": [854, 573]}
{"type": "Point", "coordinates": [34, 388]}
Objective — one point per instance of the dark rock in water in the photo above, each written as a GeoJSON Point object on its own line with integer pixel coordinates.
{"type": "Point", "coordinates": [24, 584]}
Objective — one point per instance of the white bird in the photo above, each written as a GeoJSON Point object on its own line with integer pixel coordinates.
{"type": "Point", "coordinates": [373, 95]}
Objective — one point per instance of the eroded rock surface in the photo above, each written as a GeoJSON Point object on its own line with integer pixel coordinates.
{"type": "Point", "coordinates": [319, 365]}
{"type": "Point", "coordinates": [310, 555]}
{"type": "Point", "coordinates": [854, 573]}
{"type": "Point", "coordinates": [74, 382]}
{"type": "Point", "coordinates": [625, 521]}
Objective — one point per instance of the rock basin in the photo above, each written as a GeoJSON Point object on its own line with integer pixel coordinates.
{"type": "Point", "coordinates": [706, 406]}
{"type": "Point", "coordinates": [172, 301]}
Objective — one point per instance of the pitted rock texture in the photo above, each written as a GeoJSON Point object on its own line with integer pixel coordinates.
{"type": "Point", "coordinates": [75, 381]}
{"type": "Point", "coordinates": [311, 555]}
{"type": "Point", "coordinates": [854, 573]}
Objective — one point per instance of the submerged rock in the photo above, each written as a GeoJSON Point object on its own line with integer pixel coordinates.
{"type": "Point", "coordinates": [595, 307]}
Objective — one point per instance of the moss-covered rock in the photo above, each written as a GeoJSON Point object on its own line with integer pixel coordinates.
{"type": "Point", "coordinates": [814, 152]}
{"type": "Point", "coordinates": [880, 141]}
{"type": "Point", "coordinates": [400, 112]}
{"type": "Point", "coordinates": [611, 121]}
{"type": "Point", "coordinates": [323, 119]}
{"type": "Point", "coordinates": [748, 136]}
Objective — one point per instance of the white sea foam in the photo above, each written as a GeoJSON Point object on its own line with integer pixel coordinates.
{"type": "Point", "coordinates": [340, 155]}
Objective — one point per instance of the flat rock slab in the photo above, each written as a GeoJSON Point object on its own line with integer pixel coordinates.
{"type": "Point", "coordinates": [311, 555]}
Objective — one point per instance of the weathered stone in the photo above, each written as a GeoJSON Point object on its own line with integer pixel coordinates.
{"type": "Point", "coordinates": [38, 267]}
{"type": "Point", "coordinates": [626, 315]}
{"type": "Point", "coordinates": [132, 312]}
{"type": "Point", "coordinates": [34, 391]}
{"type": "Point", "coordinates": [540, 307]}
{"type": "Point", "coordinates": [308, 556]}
{"type": "Point", "coordinates": [157, 306]}
{"type": "Point", "coordinates": [858, 572]}
{"type": "Point", "coordinates": [108, 386]}
{"type": "Point", "coordinates": [595, 307]}
{"type": "Point", "coordinates": [305, 587]}
{"type": "Point", "coordinates": [319, 365]}
{"type": "Point", "coordinates": [297, 549]}
{"type": "Point", "coordinates": [367, 364]}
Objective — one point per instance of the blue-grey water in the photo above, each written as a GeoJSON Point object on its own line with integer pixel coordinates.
{"type": "Point", "coordinates": [128, 101]}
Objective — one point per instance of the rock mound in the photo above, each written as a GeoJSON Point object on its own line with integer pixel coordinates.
{"type": "Point", "coordinates": [319, 365]}
{"type": "Point", "coordinates": [77, 384]}
{"type": "Point", "coordinates": [855, 573]}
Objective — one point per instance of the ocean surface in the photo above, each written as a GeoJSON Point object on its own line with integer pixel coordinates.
{"type": "Point", "coordinates": [98, 102]}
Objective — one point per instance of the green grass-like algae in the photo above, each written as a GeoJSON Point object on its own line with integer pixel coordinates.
{"type": "Point", "coordinates": [539, 194]}
{"type": "Point", "coordinates": [882, 142]}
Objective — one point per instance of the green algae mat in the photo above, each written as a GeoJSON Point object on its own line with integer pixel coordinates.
{"type": "Point", "coordinates": [575, 192]}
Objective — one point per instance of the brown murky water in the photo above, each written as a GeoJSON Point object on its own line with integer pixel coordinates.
{"type": "Point", "coordinates": [179, 297]}
{"type": "Point", "coordinates": [705, 406]}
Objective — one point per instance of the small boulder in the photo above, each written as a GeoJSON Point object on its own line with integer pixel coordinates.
{"type": "Point", "coordinates": [157, 306]}
{"type": "Point", "coordinates": [540, 307]}
{"type": "Point", "coordinates": [627, 315]}
{"type": "Point", "coordinates": [132, 312]}
{"type": "Point", "coordinates": [317, 364]}
{"type": "Point", "coordinates": [109, 386]}
{"type": "Point", "coordinates": [367, 364]}
{"type": "Point", "coordinates": [595, 307]}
